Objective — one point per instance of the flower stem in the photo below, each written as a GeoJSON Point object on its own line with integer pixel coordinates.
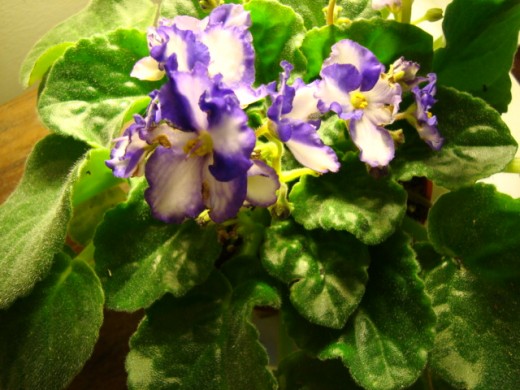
{"type": "Point", "coordinates": [294, 174]}
{"type": "Point", "coordinates": [406, 11]}
{"type": "Point", "coordinates": [330, 12]}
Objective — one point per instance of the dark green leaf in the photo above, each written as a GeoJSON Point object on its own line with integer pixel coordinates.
{"type": "Point", "coordinates": [172, 8]}
{"type": "Point", "coordinates": [350, 200]}
{"type": "Point", "coordinates": [139, 258]}
{"type": "Point", "coordinates": [34, 219]}
{"type": "Point", "coordinates": [301, 371]}
{"type": "Point", "coordinates": [46, 337]}
{"type": "Point", "coordinates": [386, 342]}
{"type": "Point", "coordinates": [316, 47]}
{"type": "Point", "coordinates": [202, 340]}
{"type": "Point", "coordinates": [327, 270]}
{"type": "Point", "coordinates": [479, 51]}
{"type": "Point", "coordinates": [498, 93]}
{"type": "Point", "coordinates": [89, 91]}
{"type": "Point", "coordinates": [100, 17]}
{"type": "Point", "coordinates": [478, 338]}
{"type": "Point", "coordinates": [477, 143]}
{"type": "Point", "coordinates": [277, 33]}
{"type": "Point", "coordinates": [481, 228]}
{"type": "Point", "coordinates": [389, 40]}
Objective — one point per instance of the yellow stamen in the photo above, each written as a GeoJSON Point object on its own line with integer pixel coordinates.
{"type": "Point", "coordinates": [199, 146]}
{"type": "Point", "coordinates": [358, 100]}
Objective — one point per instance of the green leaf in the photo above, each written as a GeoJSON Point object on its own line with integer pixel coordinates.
{"type": "Point", "coordinates": [350, 200]}
{"type": "Point", "coordinates": [490, 221]}
{"type": "Point", "coordinates": [159, 258]}
{"type": "Point", "coordinates": [386, 342]}
{"type": "Point", "coordinates": [301, 371]}
{"type": "Point", "coordinates": [34, 219]}
{"type": "Point", "coordinates": [355, 9]}
{"type": "Point", "coordinates": [277, 34]}
{"type": "Point", "coordinates": [310, 11]}
{"type": "Point", "coordinates": [89, 91]}
{"type": "Point", "coordinates": [48, 336]}
{"type": "Point", "coordinates": [479, 52]}
{"type": "Point", "coordinates": [172, 8]}
{"type": "Point", "coordinates": [316, 47]}
{"type": "Point", "coordinates": [202, 340]}
{"type": "Point", "coordinates": [477, 341]}
{"type": "Point", "coordinates": [477, 143]}
{"type": "Point", "coordinates": [389, 40]}
{"type": "Point", "coordinates": [100, 17]}
{"type": "Point", "coordinates": [327, 270]}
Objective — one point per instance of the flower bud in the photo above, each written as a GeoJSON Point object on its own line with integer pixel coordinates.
{"type": "Point", "coordinates": [433, 14]}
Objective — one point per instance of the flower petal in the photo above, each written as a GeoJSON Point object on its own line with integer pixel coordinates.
{"type": "Point", "coordinates": [147, 68]}
{"type": "Point", "coordinates": [309, 149]}
{"type": "Point", "coordinates": [230, 15]}
{"type": "Point", "coordinates": [175, 191]}
{"type": "Point", "coordinates": [350, 52]}
{"type": "Point", "coordinates": [375, 143]}
{"type": "Point", "coordinates": [262, 184]}
{"type": "Point", "coordinates": [334, 89]}
{"type": "Point", "coordinates": [233, 141]}
{"type": "Point", "coordinates": [224, 199]}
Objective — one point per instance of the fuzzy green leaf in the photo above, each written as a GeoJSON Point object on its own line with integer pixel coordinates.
{"type": "Point", "coordinates": [477, 341]}
{"type": "Point", "coordinates": [350, 200]}
{"type": "Point", "coordinates": [202, 340]}
{"type": "Point", "coordinates": [172, 8]}
{"type": "Point", "coordinates": [277, 34]}
{"type": "Point", "coordinates": [160, 257]}
{"type": "Point", "coordinates": [100, 17]}
{"type": "Point", "coordinates": [89, 92]}
{"type": "Point", "coordinates": [490, 245]}
{"type": "Point", "coordinates": [355, 9]}
{"type": "Point", "coordinates": [386, 342]}
{"type": "Point", "coordinates": [327, 270]}
{"type": "Point", "coordinates": [310, 11]}
{"type": "Point", "coordinates": [479, 52]}
{"type": "Point", "coordinates": [47, 337]}
{"type": "Point", "coordinates": [33, 221]}
{"type": "Point", "coordinates": [477, 143]}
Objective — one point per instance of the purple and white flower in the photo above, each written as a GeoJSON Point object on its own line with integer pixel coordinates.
{"type": "Point", "coordinates": [221, 41]}
{"type": "Point", "coordinates": [295, 120]}
{"type": "Point", "coordinates": [354, 86]}
{"type": "Point", "coordinates": [404, 72]}
{"type": "Point", "coordinates": [423, 120]}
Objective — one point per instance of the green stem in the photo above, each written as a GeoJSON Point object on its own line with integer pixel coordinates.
{"type": "Point", "coordinates": [285, 344]}
{"type": "Point", "coordinates": [330, 12]}
{"type": "Point", "coordinates": [294, 174]}
{"type": "Point", "coordinates": [406, 11]}
{"type": "Point", "coordinates": [513, 166]}
{"type": "Point", "coordinates": [87, 255]}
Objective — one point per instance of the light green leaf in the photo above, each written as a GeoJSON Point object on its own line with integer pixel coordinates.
{"type": "Point", "coordinates": [477, 143]}
{"type": "Point", "coordinates": [386, 342]}
{"type": "Point", "coordinates": [310, 11]}
{"type": "Point", "coordinates": [89, 91]}
{"type": "Point", "coordinates": [301, 371]}
{"type": "Point", "coordinates": [327, 270]}
{"type": "Point", "coordinates": [277, 34]}
{"type": "Point", "coordinates": [159, 258]}
{"type": "Point", "coordinates": [48, 336]}
{"type": "Point", "coordinates": [202, 340]}
{"type": "Point", "coordinates": [100, 17]}
{"type": "Point", "coordinates": [355, 9]}
{"type": "Point", "coordinates": [490, 244]}
{"type": "Point", "coordinates": [33, 221]}
{"type": "Point", "coordinates": [478, 338]}
{"type": "Point", "coordinates": [479, 52]}
{"type": "Point", "coordinates": [172, 8]}
{"type": "Point", "coordinates": [350, 200]}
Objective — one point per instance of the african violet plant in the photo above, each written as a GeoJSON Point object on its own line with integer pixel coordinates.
{"type": "Point", "coordinates": [210, 159]}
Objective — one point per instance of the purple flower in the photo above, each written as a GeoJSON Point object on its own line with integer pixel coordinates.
{"type": "Point", "coordinates": [423, 120]}
{"type": "Point", "coordinates": [404, 72]}
{"type": "Point", "coordinates": [354, 86]}
{"type": "Point", "coordinates": [295, 121]}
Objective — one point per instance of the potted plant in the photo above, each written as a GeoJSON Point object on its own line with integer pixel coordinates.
{"type": "Point", "coordinates": [210, 160]}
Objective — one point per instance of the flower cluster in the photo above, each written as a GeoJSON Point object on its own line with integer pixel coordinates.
{"type": "Point", "coordinates": [194, 144]}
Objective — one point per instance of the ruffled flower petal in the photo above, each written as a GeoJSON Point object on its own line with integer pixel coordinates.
{"type": "Point", "coordinates": [350, 52]}
{"type": "Point", "coordinates": [338, 81]}
{"type": "Point", "coordinates": [262, 184]}
{"type": "Point", "coordinates": [224, 199]}
{"type": "Point", "coordinates": [310, 151]}
{"type": "Point", "coordinates": [175, 191]}
{"type": "Point", "coordinates": [147, 68]}
{"type": "Point", "coordinates": [375, 142]}
{"type": "Point", "coordinates": [426, 122]}
{"type": "Point", "coordinates": [230, 15]}
{"type": "Point", "coordinates": [232, 139]}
